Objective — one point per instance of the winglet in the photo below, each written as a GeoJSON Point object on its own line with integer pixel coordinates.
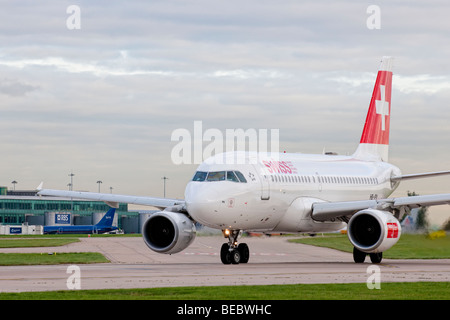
{"type": "Point", "coordinates": [40, 186]}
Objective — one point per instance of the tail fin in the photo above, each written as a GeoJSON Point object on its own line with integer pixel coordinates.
{"type": "Point", "coordinates": [108, 218]}
{"type": "Point", "coordinates": [374, 144]}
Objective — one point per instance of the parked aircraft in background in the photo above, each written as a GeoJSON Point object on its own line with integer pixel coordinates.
{"type": "Point", "coordinates": [290, 192]}
{"type": "Point", "coordinates": [103, 226]}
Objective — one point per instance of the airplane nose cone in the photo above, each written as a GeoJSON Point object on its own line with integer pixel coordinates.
{"type": "Point", "coordinates": [201, 193]}
{"type": "Point", "coordinates": [202, 201]}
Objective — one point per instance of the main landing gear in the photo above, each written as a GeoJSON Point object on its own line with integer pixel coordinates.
{"type": "Point", "coordinates": [231, 252]}
{"type": "Point", "coordinates": [359, 256]}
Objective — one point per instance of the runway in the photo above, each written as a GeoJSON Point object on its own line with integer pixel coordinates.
{"type": "Point", "coordinates": [273, 260]}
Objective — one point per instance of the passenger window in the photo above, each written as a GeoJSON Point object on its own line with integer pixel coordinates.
{"type": "Point", "coordinates": [199, 176]}
{"type": "Point", "coordinates": [231, 176]}
{"type": "Point", "coordinates": [240, 176]}
{"type": "Point", "coordinates": [216, 176]}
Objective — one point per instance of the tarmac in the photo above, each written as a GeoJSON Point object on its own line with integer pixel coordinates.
{"type": "Point", "coordinates": [273, 260]}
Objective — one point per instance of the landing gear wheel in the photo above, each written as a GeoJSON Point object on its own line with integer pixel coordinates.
{"type": "Point", "coordinates": [225, 254]}
{"type": "Point", "coordinates": [244, 251]}
{"type": "Point", "coordinates": [231, 252]}
{"type": "Point", "coordinates": [376, 257]}
{"type": "Point", "coordinates": [358, 256]}
{"type": "Point", "coordinates": [235, 256]}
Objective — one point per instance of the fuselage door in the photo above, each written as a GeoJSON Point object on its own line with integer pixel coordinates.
{"type": "Point", "coordinates": [265, 187]}
{"type": "Point", "coordinates": [264, 181]}
{"type": "Point", "coordinates": [319, 181]}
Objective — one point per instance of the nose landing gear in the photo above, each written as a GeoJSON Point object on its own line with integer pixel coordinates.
{"type": "Point", "coordinates": [231, 252]}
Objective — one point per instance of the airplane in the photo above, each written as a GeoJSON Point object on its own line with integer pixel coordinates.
{"type": "Point", "coordinates": [289, 193]}
{"type": "Point", "coordinates": [103, 226]}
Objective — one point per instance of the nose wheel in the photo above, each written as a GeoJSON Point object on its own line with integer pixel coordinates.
{"type": "Point", "coordinates": [232, 252]}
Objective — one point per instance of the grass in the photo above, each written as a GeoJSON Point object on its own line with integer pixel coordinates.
{"type": "Point", "coordinates": [410, 246]}
{"type": "Point", "coordinates": [28, 236]}
{"type": "Point", "coordinates": [33, 241]}
{"type": "Point", "coordinates": [36, 242]}
{"type": "Point", "coordinates": [14, 259]}
{"type": "Point", "coordinates": [352, 291]}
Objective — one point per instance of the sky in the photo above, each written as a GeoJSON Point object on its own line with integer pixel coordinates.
{"type": "Point", "coordinates": [99, 91]}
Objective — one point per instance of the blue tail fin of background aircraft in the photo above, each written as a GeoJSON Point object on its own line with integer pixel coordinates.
{"type": "Point", "coordinates": [107, 219]}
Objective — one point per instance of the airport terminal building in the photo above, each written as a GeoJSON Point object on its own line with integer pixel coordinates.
{"type": "Point", "coordinates": [26, 207]}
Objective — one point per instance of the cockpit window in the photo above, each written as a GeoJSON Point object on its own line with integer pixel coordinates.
{"type": "Point", "coordinates": [216, 176]}
{"type": "Point", "coordinates": [231, 176]}
{"type": "Point", "coordinates": [234, 176]}
{"type": "Point", "coordinates": [241, 176]}
{"type": "Point", "coordinates": [200, 176]}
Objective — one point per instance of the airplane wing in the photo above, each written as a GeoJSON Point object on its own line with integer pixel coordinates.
{"type": "Point", "coordinates": [419, 175]}
{"type": "Point", "coordinates": [112, 200]}
{"type": "Point", "coordinates": [323, 211]}
{"type": "Point", "coordinates": [329, 210]}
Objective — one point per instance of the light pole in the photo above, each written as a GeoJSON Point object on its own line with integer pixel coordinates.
{"type": "Point", "coordinates": [99, 182]}
{"type": "Point", "coordinates": [14, 184]}
{"type": "Point", "coordinates": [71, 174]}
{"type": "Point", "coordinates": [165, 178]}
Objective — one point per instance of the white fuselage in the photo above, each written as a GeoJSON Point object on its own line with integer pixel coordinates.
{"type": "Point", "coordinates": [278, 191]}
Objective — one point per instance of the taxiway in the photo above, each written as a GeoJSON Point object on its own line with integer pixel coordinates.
{"type": "Point", "coordinates": [273, 260]}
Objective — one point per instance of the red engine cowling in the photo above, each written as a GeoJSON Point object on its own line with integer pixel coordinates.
{"type": "Point", "coordinates": [373, 231]}
{"type": "Point", "coordinates": [168, 232]}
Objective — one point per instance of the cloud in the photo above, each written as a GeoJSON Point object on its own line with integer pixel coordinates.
{"type": "Point", "coordinates": [15, 88]}
{"type": "Point", "coordinates": [419, 83]}
{"type": "Point", "coordinates": [423, 83]}
{"type": "Point", "coordinates": [94, 68]}
{"type": "Point", "coordinates": [104, 100]}
{"type": "Point", "coordinates": [125, 67]}
{"type": "Point", "coordinates": [248, 74]}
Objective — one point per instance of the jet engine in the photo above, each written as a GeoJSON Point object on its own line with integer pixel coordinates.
{"type": "Point", "coordinates": [168, 232]}
{"type": "Point", "coordinates": [373, 231]}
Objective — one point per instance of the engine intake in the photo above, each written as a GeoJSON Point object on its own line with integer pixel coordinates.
{"type": "Point", "coordinates": [373, 231]}
{"type": "Point", "coordinates": [168, 232]}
